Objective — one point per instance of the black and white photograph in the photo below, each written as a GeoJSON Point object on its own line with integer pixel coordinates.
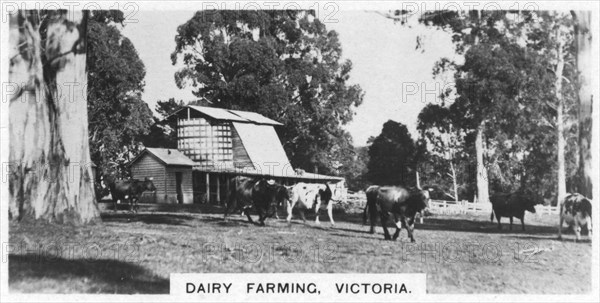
{"type": "Point", "coordinates": [300, 151]}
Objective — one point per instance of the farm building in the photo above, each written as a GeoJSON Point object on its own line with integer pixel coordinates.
{"type": "Point", "coordinates": [221, 144]}
{"type": "Point", "coordinates": [171, 172]}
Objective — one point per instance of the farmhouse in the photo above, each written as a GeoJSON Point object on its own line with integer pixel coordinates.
{"type": "Point", "coordinates": [215, 145]}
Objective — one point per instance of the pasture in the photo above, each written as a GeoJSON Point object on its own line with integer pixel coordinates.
{"type": "Point", "coordinates": [129, 253]}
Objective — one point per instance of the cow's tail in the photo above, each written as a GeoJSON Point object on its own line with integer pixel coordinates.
{"type": "Point", "coordinates": [371, 207]}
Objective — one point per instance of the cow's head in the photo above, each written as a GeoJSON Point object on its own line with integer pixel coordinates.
{"type": "Point", "coordinates": [267, 194]}
{"type": "Point", "coordinates": [325, 194]}
{"type": "Point", "coordinates": [529, 204]}
{"type": "Point", "coordinates": [148, 185]}
{"type": "Point", "coordinates": [282, 194]}
{"type": "Point", "coordinates": [420, 199]}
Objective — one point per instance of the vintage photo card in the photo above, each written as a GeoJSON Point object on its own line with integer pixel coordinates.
{"type": "Point", "coordinates": [299, 151]}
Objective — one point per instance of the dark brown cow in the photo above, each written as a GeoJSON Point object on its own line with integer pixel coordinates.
{"type": "Point", "coordinates": [398, 201]}
{"type": "Point", "coordinates": [511, 205]}
{"type": "Point", "coordinates": [130, 190]}
{"type": "Point", "coordinates": [576, 210]}
{"type": "Point", "coordinates": [261, 195]}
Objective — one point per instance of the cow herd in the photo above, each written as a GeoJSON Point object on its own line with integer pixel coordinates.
{"type": "Point", "coordinates": [266, 196]}
{"type": "Point", "coordinates": [402, 204]}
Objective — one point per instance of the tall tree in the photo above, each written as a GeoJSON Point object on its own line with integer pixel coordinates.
{"type": "Point", "coordinates": [583, 37]}
{"type": "Point", "coordinates": [285, 65]}
{"type": "Point", "coordinates": [119, 118]}
{"type": "Point", "coordinates": [442, 141]}
{"type": "Point", "coordinates": [391, 156]}
{"type": "Point", "coordinates": [51, 178]}
{"type": "Point", "coordinates": [468, 28]}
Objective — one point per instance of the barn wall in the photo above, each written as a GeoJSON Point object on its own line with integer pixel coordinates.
{"type": "Point", "coordinates": [186, 185]}
{"type": "Point", "coordinates": [148, 167]}
{"type": "Point", "coordinates": [240, 156]}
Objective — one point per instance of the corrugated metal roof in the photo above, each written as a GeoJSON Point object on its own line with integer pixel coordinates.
{"type": "Point", "coordinates": [255, 117]}
{"type": "Point", "coordinates": [218, 113]}
{"type": "Point", "coordinates": [233, 115]}
{"type": "Point", "coordinates": [169, 156]}
{"type": "Point", "coordinates": [263, 147]}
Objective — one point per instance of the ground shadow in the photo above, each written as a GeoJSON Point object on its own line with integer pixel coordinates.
{"type": "Point", "coordinates": [148, 218]}
{"type": "Point", "coordinates": [464, 225]}
{"type": "Point", "coordinates": [102, 276]}
{"type": "Point", "coordinates": [452, 224]}
{"type": "Point", "coordinates": [568, 238]}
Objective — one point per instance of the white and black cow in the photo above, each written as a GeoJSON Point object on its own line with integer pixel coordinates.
{"type": "Point", "coordinates": [576, 210]}
{"type": "Point", "coordinates": [308, 196]}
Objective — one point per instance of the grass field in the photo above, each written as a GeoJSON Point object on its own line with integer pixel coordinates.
{"type": "Point", "coordinates": [129, 253]}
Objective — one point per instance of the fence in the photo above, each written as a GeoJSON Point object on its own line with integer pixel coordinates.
{"type": "Point", "coordinates": [453, 207]}
{"type": "Point", "coordinates": [463, 207]}
{"type": "Point", "coordinates": [460, 207]}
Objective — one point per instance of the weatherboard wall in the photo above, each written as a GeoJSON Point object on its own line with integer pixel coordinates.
{"type": "Point", "coordinates": [149, 167]}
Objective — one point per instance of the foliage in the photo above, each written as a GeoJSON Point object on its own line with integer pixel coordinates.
{"type": "Point", "coordinates": [391, 156]}
{"type": "Point", "coordinates": [354, 170]}
{"type": "Point", "coordinates": [506, 81]}
{"type": "Point", "coordinates": [118, 117]}
{"type": "Point", "coordinates": [282, 64]}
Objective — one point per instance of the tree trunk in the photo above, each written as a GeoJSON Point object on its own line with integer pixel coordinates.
{"type": "Point", "coordinates": [583, 38]}
{"type": "Point", "coordinates": [50, 169]}
{"type": "Point", "coordinates": [454, 181]}
{"type": "Point", "coordinates": [483, 195]}
{"type": "Point", "coordinates": [560, 123]}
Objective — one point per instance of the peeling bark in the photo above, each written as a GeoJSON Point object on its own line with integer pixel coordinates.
{"type": "Point", "coordinates": [583, 38]}
{"type": "Point", "coordinates": [50, 167]}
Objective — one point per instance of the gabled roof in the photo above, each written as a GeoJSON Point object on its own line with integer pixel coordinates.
{"type": "Point", "coordinates": [167, 156]}
{"type": "Point", "coordinates": [254, 117]}
{"type": "Point", "coordinates": [231, 115]}
{"type": "Point", "coordinates": [263, 146]}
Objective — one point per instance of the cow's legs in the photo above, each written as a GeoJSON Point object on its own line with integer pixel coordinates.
{"type": "Point", "coordinates": [330, 213]}
{"type": "Point", "coordinates": [290, 207]}
{"type": "Point", "coordinates": [577, 230]}
{"type": "Point", "coordinates": [498, 219]}
{"type": "Point", "coordinates": [410, 227]}
{"type": "Point", "coordinates": [510, 226]}
{"type": "Point", "coordinates": [560, 225]}
{"type": "Point", "coordinates": [588, 219]}
{"type": "Point", "coordinates": [522, 223]}
{"type": "Point", "coordinates": [398, 227]}
{"type": "Point", "coordinates": [317, 209]}
{"type": "Point", "coordinates": [231, 205]}
{"type": "Point", "coordinates": [261, 216]}
{"type": "Point", "coordinates": [303, 216]}
{"type": "Point", "coordinates": [373, 215]}
{"type": "Point", "coordinates": [384, 219]}
{"type": "Point", "coordinates": [247, 212]}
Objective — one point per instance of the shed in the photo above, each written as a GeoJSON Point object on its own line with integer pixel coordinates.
{"type": "Point", "coordinates": [171, 172]}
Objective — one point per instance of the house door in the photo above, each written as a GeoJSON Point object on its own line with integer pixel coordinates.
{"type": "Point", "coordinates": [178, 178]}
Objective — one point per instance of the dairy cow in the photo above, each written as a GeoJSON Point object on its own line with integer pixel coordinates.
{"type": "Point", "coordinates": [307, 196]}
{"type": "Point", "coordinates": [402, 203]}
{"type": "Point", "coordinates": [576, 211]}
{"type": "Point", "coordinates": [259, 194]}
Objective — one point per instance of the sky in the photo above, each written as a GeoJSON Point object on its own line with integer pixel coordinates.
{"type": "Point", "coordinates": [396, 78]}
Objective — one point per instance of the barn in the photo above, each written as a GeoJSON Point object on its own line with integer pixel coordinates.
{"type": "Point", "coordinates": [220, 144]}
{"type": "Point", "coordinates": [171, 172]}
